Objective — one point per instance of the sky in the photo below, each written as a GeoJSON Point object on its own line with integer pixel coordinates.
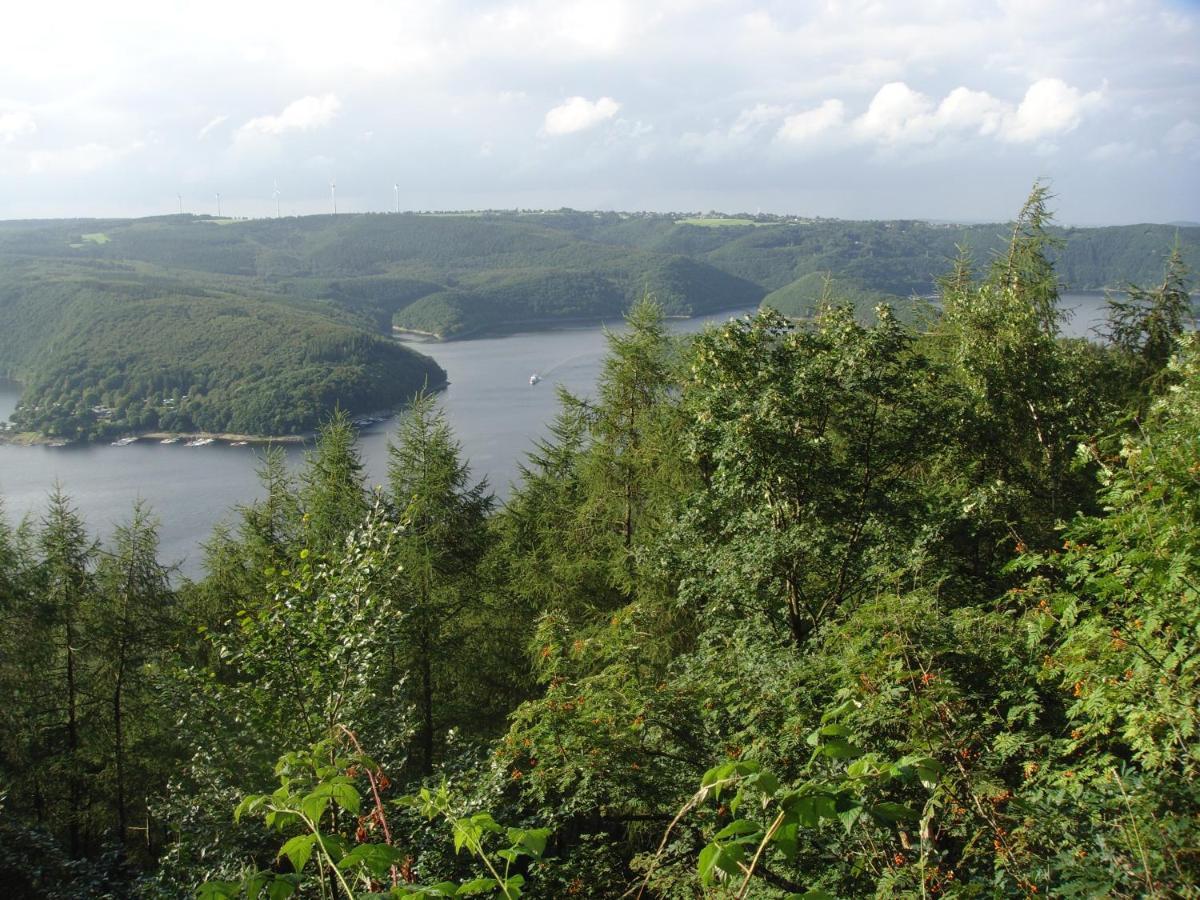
{"type": "Point", "coordinates": [894, 109]}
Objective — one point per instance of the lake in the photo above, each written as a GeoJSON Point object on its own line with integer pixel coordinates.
{"type": "Point", "coordinates": [495, 412]}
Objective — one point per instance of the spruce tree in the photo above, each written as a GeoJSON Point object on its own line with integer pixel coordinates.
{"type": "Point", "coordinates": [443, 540]}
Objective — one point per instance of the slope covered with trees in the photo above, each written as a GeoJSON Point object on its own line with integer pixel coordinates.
{"type": "Point", "coordinates": [189, 278]}
{"type": "Point", "coordinates": [829, 608]}
{"type": "Point", "coordinates": [106, 350]}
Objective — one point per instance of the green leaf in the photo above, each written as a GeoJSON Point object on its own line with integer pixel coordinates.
{"type": "Point", "coordinates": [889, 812]}
{"type": "Point", "coordinates": [345, 796]}
{"type": "Point", "coordinates": [485, 820]}
{"type": "Point", "coordinates": [283, 887]}
{"type": "Point", "coordinates": [737, 828]}
{"type": "Point", "coordinates": [377, 858]}
{"type": "Point", "coordinates": [785, 839]}
{"type": "Point", "coordinates": [477, 886]}
{"type": "Point", "coordinates": [467, 834]}
{"type": "Point", "coordinates": [765, 782]}
{"type": "Point", "coordinates": [253, 884]}
{"type": "Point", "coordinates": [298, 850]}
{"type": "Point", "coordinates": [218, 890]}
{"type": "Point", "coordinates": [314, 805]}
{"type": "Point", "coordinates": [834, 731]}
{"type": "Point", "coordinates": [850, 815]}
{"type": "Point", "coordinates": [840, 749]}
{"type": "Point", "coordinates": [707, 862]}
{"type": "Point", "coordinates": [248, 805]}
{"type": "Point", "coordinates": [532, 839]}
{"type": "Point", "coordinates": [804, 807]}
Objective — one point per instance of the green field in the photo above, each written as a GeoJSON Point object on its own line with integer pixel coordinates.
{"type": "Point", "coordinates": [716, 222]}
{"type": "Point", "coordinates": [97, 237]}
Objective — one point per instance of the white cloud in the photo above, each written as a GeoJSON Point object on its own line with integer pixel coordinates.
{"type": "Point", "coordinates": [967, 110]}
{"type": "Point", "coordinates": [896, 113]}
{"type": "Point", "coordinates": [16, 123]}
{"type": "Point", "coordinates": [804, 126]}
{"type": "Point", "coordinates": [579, 114]}
{"type": "Point", "coordinates": [212, 123]}
{"type": "Point", "coordinates": [78, 160]}
{"type": "Point", "coordinates": [1050, 107]}
{"type": "Point", "coordinates": [304, 114]}
{"type": "Point", "coordinates": [751, 120]}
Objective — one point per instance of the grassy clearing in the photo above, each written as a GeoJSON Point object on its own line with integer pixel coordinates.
{"type": "Point", "coordinates": [97, 237]}
{"type": "Point", "coordinates": [716, 222]}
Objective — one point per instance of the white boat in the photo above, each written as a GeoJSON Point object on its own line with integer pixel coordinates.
{"type": "Point", "coordinates": [534, 378]}
{"type": "Point", "coordinates": [239, 444]}
{"type": "Point", "coordinates": [199, 442]}
{"type": "Point", "coordinates": [123, 442]}
{"type": "Point", "coordinates": [174, 440]}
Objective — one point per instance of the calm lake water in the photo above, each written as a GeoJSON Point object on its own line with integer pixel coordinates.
{"type": "Point", "coordinates": [494, 411]}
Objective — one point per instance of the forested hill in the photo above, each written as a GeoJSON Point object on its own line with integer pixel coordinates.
{"type": "Point", "coordinates": [105, 349]}
{"type": "Point", "coordinates": [456, 275]}
{"type": "Point", "coordinates": [266, 324]}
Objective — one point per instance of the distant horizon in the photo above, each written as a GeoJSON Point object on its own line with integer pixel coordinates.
{"type": "Point", "coordinates": [665, 213]}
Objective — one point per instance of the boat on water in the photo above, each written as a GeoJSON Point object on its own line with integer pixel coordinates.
{"type": "Point", "coordinates": [534, 378]}
{"type": "Point", "coordinates": [123, 442]}
{"type": "Point", "coordinates": [199, 442]}
{"type": "Point", "coordinates": [173, 440]}
{"type": "Point", "coordinates": [239, 443]}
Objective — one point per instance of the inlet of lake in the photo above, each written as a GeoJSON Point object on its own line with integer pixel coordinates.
{"type": "Point", "coordinates": [495, 412]}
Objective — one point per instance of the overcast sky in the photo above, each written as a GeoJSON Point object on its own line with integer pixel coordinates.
{"type": "Point", "coordinates": [935, 109]}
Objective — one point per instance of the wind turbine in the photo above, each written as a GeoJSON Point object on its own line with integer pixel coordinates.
{"type": "Point", "coordinates": [179, 197]}
{"type": "Point", "coordinates": [333, 193]}
{"type": "Point", "coordinates": [218, 204]}
{"type": "Point", "coordinates": [396, 187]}
{"type": "Point", "coordinates": [277, 199]}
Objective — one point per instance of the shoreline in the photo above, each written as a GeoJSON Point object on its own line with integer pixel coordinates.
{"type": "Point", "coordinates": [35, 439]}
{"type": "Point", "coordinates": [529, 326]}
{"type": "Point", "coordinates": [369, 419]}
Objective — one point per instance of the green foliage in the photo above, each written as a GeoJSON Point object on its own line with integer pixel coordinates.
{"type": "Point", "coordinates": [317, 796]}
{"type": "Point", "coordinates": [1147, 323]}
{"type": "Point", "coordinates": [810, 439]}
{"type": "Point", "coordinates": [915, 610]}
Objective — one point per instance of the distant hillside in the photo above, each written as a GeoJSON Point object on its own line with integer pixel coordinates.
{"type": "Point", "coordinates": [896, 257]}
{"type": "Point", "coordinates": [296, 311]}
{"type": "Point", "coordinates": [102, 352]}
{"type": "Point", "coordinates": [802, 297]}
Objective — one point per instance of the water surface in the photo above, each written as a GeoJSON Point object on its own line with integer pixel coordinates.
{"type": "Point", "coordinates": [489, 402]}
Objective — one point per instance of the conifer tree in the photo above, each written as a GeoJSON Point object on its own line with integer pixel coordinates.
{"type": "Point", "coordinates": [332, 491]}
{"type": "Point", "coordinates": [66, 584]}
{"type": "Point", "coordinates": [443, 540]}
{"type": "Point", "coordinates": [130, 624]}
{"type": "Point", "coordinates": [1148, 322]}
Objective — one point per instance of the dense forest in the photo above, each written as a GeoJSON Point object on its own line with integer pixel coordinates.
{"type": "Point", "coordinates": [264, 325]}
{"type": "Point", "coordinates": [105, 349]}
{"type": "Point", "coordinates": [823, 608]}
